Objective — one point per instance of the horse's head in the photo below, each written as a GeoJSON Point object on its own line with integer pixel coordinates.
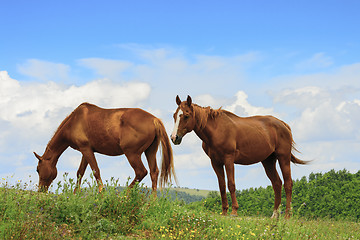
{"type": "Point", "coordinates": [184, 119]}
{"type": "Point", "coordinates": [47, 173]}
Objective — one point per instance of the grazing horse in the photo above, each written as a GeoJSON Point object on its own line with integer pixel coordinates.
{"type": "Point", "coordinates": [229, 139]}
{"type": "Point", "coordinates": [113, 132]}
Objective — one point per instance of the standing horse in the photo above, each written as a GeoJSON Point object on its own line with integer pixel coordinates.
{"type": "Point", "coordinates": [113, 132]}
{"type": "Point", "coordinates": [229, 139]}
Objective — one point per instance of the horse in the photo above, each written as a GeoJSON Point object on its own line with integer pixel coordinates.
{"type": "Point", "coordinates": [113, 132]}
{"type": "Point", "coordinates": [229, 139]}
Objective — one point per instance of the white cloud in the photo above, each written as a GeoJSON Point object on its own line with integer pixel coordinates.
{"type": "Point", "coordinates": [242, 107]}
{"type": "Point", "coordinates": [347, 76]}
{"type": "Point", "coordinates": [318, 60]}
{"type": "Point", "coordinates": [323, 114]}
{"type": "Point", "coordinates": [191, 161]}
{"type": "Point", "coordinates": [35, 104]}
{"type": "Point", "coordinates": [106, 67]}
{"type": "Point", "coordinates": [44, 70]}
{"type": "Point", "coordinates": [173, 71]}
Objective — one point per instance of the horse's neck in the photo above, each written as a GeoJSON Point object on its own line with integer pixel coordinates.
{"type": "Point", "coordinates": [55, 148]}
{"type": "Point", "coordinates": [205, 131]}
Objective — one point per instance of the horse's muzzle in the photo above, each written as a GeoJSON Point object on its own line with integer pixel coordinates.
{"type": "Point", "coordinates": [176, 139]}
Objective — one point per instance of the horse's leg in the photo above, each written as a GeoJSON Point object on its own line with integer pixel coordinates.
{"type": "Point", "coordinates": [80, 173]}
{"type": "Point", "coordinates": [89, 157]}
{"type": "Point", "coordinates": [219, 170]}
{"type": "Point", "coordinates": [270, 169]}
{"type": "Point", "coordinates": [150, 154]}
{"type": "Point", "coordinates": [284, 162]}
{"type": "Point", "coordinates": [136, 163]}
{"type": "Point", "coordinates": [230, 173]}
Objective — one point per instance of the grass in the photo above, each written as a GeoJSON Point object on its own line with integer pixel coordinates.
{"type": "Point", "coordinates": [136, 214]}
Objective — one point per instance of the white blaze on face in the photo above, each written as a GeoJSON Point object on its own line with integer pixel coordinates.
{"type": "Point", "coordinates": [177, 122]}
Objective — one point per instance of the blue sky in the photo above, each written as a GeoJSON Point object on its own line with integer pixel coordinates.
{"type": "Point", "coordinates": [298, 61]}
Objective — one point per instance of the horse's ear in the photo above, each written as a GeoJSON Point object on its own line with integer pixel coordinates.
{"type": "Point", "coordinates": [37, 156]}
{"type": "Point", "coordinates": [178, 101]}
{"type": "Point", "coordinates": [189, 100]}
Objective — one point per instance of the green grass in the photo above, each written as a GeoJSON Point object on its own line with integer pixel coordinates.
{"type": "Point", "coordinates": [136, 214]}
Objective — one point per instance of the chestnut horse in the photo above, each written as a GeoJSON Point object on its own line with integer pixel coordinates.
{"type": "Point", "coordinates": [113, 132]}
{"type": "Point", "coordinates": [229, 139]}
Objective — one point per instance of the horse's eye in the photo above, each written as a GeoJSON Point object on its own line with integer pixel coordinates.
{"type": "Point", "coordinates": [186, 117]}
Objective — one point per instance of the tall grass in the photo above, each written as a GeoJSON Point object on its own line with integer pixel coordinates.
{"type": "Point", "coordinates": [137, 214]}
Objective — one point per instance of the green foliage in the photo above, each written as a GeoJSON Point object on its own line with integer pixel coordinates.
{"type": "Point", "coordinates": [333, 195]}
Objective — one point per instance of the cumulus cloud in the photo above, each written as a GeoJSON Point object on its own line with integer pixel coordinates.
{"type": "Point", "coordinates": [35, 104]}
{"type": "Point", "coordinates": [208, 100]}
{"type": "Point", "coordinates": [242, 107]}
{"type": "Point", "coordinates": [324, 114]}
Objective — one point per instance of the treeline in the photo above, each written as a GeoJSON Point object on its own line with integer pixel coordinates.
{"type": "Point", "coordinates": [183, 197]}
{"type": "Point", "coordinates": [335, 194]}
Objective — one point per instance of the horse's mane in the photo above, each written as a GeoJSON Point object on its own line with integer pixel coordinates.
{"type": "Point", "coordinates": [202, 114]}
{"type": "Point", "coordinates": [62, 124]}
{"type": "Point", "coordinates": [68, 116]}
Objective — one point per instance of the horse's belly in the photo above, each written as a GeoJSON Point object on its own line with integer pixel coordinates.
{"type": "Point", "coordinates": [111, 150]}
{"type": "Point", "coordinates": [247, 158]}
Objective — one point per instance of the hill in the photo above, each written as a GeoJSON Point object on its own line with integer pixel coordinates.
{"type": "Point", "coordinates": [195, 192]}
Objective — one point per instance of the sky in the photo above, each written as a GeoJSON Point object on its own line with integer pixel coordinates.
{"type": "Point", "coordinates": [298, 61]}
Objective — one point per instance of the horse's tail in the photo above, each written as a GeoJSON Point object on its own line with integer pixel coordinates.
{"type": "Point", "coordinates": [293, 148]}
{"type": "Point", "coordinates": [295, 159]}
{"type": "Point", "coordinates": [167, 165]}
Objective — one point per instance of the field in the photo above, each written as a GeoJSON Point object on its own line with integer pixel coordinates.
{"type": "Point", "coordinates": [138, 214]}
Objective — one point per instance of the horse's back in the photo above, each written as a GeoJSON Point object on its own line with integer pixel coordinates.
{"type": "Point", "coordinates": [108, 131]}
{"type": "Point", "coordinates": [110, 117]}
{"type": "Point", "coordinates": [266, 123]}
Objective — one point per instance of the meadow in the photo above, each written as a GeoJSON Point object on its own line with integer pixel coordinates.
{"type": "Point", "coordinates": [137, 214]}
